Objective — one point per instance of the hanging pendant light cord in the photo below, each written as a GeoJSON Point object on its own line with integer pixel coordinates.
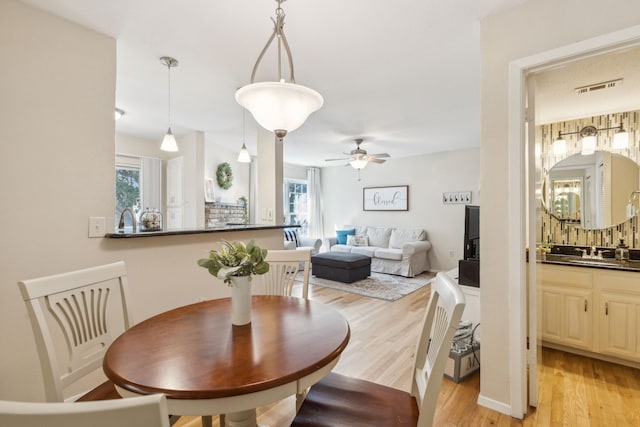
{"type": "Point", "coordinates": [278, 30]}
{"type": "Point", "coordinates": [243, 126]}
{"type": "Point", "coordinates": [169, 92]}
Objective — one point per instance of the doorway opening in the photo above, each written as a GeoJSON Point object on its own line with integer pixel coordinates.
{"type": "Point", "coordinates": [522, 70]}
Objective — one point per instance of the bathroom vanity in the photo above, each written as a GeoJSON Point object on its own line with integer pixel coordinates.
{"type": "Point", "coordinates": [590, 307]}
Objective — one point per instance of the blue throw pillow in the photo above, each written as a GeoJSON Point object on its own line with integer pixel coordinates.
{"type": "Point", "coordinates": [342, 235]}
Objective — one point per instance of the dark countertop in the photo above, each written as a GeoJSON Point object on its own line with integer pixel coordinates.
{"type": "Point", "coordinates": [578, 261]}
{"type": "Point", "coordinates": [225, 229]}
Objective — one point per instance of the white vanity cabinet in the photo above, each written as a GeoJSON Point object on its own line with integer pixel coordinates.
{"type": "Point", "coordinates": [618, 314]}
{"type": "Point", "coordinates": [566, 300]}
{"type": "Point", "coordinates": [595, 311]}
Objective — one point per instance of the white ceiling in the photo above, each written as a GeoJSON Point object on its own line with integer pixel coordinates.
{"type": "Point", "coordinates": [403, 75]}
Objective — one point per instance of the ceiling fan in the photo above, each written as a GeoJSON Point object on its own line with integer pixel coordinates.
{"type": "Point", "coordinates": [359, 158]}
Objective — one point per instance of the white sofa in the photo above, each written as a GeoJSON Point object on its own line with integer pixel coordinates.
{"type": "Point", "coordinates": [393, 250]}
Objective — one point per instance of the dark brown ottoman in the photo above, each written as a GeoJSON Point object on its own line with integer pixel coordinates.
{"type": "Point", "coordinates": [341, 266]}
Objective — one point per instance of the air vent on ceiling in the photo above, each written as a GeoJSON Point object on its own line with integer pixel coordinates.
{"type": "Point", "coordinates": [598, 86]}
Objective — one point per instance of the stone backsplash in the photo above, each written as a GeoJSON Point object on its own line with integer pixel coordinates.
{"type": "Point", "coordinates": [217, 214]}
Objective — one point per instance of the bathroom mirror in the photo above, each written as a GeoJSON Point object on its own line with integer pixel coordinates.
{"type": "Point", "coordinates": [591, 190]}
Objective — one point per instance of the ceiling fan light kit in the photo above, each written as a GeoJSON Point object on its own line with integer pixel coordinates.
{"type": "Point", "coordinates": [358, 163]}
{"type": "Point", "coordinates": [279, 107]}
{"type": "Point", "coordinates": [359, 157]}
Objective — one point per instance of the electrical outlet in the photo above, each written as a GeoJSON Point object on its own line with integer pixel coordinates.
{"type": "Point", "coordinates": [452, 254]}
{"type": "Point", "coordinates": [96, 226]}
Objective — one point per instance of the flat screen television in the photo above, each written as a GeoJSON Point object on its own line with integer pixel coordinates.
{"type": "Point", "coordinates": [472, 232]}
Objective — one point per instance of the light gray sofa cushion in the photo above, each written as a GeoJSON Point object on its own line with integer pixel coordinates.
{"type": "Point", "coordinates": [369, 251]}
{"type": "Point", "coordinates": [341, 248]}
{"type": "Point", "coordinates": [389, 253]}
{"type": "Point", "coordinates": [379, 236]}
{"type": "Point", "coordinates": [400, 236]}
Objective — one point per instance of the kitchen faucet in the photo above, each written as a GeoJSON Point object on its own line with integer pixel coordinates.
{"type": "Point", "coordinates": [133, 219]}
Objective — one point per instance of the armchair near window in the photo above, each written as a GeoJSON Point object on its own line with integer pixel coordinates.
{"type": "Point", "coordinates": [292, 240]}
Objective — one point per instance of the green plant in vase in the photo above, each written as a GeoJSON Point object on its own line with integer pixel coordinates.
{"type": "Point", "coordinates": [236, 259]}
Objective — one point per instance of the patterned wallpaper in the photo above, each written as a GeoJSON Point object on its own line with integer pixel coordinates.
{"type": "Point", "coordinates": [550, 229]}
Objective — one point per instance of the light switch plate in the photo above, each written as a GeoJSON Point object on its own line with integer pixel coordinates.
{"type": "Point", "coordinates": [96, 226]}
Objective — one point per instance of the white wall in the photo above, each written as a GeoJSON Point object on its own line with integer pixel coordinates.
{"type": "Point", "coordinates": [295, 171]}
{"type": "Point", "coordinates": [428, 176]}
{"type": "Point", "coordinates": [56, 170]}
{"type": "Point", "coordinates": [56, 165]}
{"type": "Point", "coordinates": [214, 155]}
{"type": "Point", "coordinates": [505, 37]}
{"type": "Point", "coordinates": [135, 146]}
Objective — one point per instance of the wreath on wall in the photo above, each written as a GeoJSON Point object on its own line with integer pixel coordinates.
{"type": "Point", "coordinates": [224, 175]}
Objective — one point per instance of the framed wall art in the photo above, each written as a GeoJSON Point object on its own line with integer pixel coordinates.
{"type": "Point", "coordinates": [386, 198]}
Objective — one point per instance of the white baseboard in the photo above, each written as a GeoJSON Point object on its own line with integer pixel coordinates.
{"type": "Point", "coordinates": [501, 407]}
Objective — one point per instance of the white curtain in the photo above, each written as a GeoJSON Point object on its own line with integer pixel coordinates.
{"type": "Point", "coordinates": [253, 191]}
{"type": "Point", "coordinates": [314, 194]}
{"type": "Point", "coordinates": [151, 194]}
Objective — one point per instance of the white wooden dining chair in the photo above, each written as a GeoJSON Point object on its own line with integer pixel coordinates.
{"type": "Point", "coordinates": [75, 316]}
{"type": "Point", "coordinates": [144, 411]}
{"type": "Point", "coordinates": [338, 400]}
{"type": "Point", "coordinates": [284, 266]}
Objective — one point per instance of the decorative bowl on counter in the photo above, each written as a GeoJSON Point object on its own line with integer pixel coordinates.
{"type": "Point", "coordinates": [151, 220]}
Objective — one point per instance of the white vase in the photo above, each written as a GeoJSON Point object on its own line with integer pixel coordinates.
{"type": "Point", "coordinates": [240, 300]}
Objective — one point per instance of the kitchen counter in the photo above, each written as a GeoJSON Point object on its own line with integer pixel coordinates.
{"type": "Point", "coordinates": [223, 229]}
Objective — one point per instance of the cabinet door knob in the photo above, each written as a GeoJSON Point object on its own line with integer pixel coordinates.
{"type": "Point", "coordinates": [606, 308]}
{"type": "Point", "coordinates": [585, 305]}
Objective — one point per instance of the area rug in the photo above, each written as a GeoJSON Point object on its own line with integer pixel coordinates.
{"type": "Point", "coordinates": [382, 286]}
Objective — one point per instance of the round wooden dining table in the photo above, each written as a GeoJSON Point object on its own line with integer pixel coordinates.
{"type": "Point", "coordinates": [205, 365]}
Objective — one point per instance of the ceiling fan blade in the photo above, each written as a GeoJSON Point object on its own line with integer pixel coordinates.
{"type": "Point", "coordinates": [379, 155]}
{"type": "Point", "coordinates": [342, 158]}
{"type": "Point", "coordinates": [374, 160]}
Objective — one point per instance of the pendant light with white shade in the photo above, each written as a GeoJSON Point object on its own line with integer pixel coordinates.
{"type": "Point", "coordinates": [169, 141]}
{"type": "Point", "coordinates": [279, 107]}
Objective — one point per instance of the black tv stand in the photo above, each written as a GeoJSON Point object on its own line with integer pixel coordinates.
{"type": "Point", "coordinates": [469, 272]}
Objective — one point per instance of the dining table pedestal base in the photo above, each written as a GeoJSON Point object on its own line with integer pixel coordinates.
{"type": "Point", "coordinates": [241, 419]}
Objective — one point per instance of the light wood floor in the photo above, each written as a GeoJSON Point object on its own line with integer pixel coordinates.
{"type": "Point", "coordinates": [574, 390]}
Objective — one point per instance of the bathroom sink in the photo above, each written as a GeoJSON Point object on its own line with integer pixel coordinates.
{"type": "Point", "coordinates": [595, 262]}
{"type": "Point", "coordinates": [560, 258]}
